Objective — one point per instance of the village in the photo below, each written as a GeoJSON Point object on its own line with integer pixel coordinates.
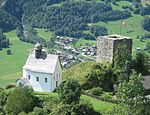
{"type": "Point", "coordinates": [74, 57]}
{"type": "Point", "coordinates": [69, 54]}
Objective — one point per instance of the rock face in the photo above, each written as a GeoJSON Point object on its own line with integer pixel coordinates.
{"type": "Point", "coordinates": [107, 46]}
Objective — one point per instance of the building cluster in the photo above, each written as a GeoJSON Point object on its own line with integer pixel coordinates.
{"type": "Point", "coordinates": [66, 59]}
{"type": "Point", "coordinates": [88, 51]}
{"type": "Point", "coordinates": [70, 54]}
{"type": "Point", "coordinates": [66, 40]}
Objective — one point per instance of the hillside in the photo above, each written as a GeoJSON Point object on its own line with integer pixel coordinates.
{"type": "Point", "coordinates": [69, 68]}
{"type": "Point", "coordinates": [82, 20]}
{"type": "Point", "coordinates": [63, 18]}
{"type": "Point", "coordinates": [11, 65]}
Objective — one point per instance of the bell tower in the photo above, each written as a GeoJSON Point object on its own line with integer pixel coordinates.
{"type": "Point", "coordinates": [38, 50]}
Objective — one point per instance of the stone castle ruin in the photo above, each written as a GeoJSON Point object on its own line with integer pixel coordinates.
{"type": "Point", "coordinates": [107, 46]}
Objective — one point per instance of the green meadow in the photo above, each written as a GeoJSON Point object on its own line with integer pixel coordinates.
{"type": "Point", "coordinates": [120, 4]}
{"type": "Point", "coordinates": [11, 65]}
{"type": "Point", "coordinates": [97, 104]}
{"type": "Point", "coordinates": [131, 29]}
{"type": "Point", "coordinates": [44, 33]}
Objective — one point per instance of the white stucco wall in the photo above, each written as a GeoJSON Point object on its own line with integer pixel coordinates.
{"type": "Point", "coordinates": [57, 75]}
{"type": "Point", "coordinates": [40, 85]}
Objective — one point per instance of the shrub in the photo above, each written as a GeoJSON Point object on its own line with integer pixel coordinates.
{"type": "Point", "coordinates": [3, 98]}
{"type": "Point", "coordinates": [146, 23]}
{"type": "Point", "coordinates": [147, 35]}
{"type": "Point", "coordinates": [9, 86]}
{"type": "Point", "coordinates": [70, 91]}
{"type": "Point", "coordinates": [96, 91]}
{"type": "Point", "coordinates": [107, 96]}
{"type": "Point", "coordinates": [20, 100]}
{"type": "Point", "coordinates": [9, 52]}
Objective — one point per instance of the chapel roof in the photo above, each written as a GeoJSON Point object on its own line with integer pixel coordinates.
{"type": "Point", "coordinates": [45, 64]}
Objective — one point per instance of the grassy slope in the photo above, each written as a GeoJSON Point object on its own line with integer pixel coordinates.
{"type": "Point", "coordinates": [120, 4]}
{"type": "Point", "coordinates": [44, 34]}
{"type": "Point", "coordinates": [11, 65]}
{"type": "Point", "coordinates": [133, 24]}
{"type": "Point", "coordinates": [97, 104]}
{"type": "Point", "coordinates": [144, 2]}
{"type": "Point", "coordinates": [82, 42]}
{"type": "Point", "coordinates": [79, 71]}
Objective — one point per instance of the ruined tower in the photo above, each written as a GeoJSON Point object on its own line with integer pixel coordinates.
{"type": "Point", "coordinates": [107, 46]}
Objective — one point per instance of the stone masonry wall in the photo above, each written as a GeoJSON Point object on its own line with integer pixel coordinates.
{"type": "Point", "coordinates": [104, 49]}
{"type": "Point", "coordinates": [107, 46]}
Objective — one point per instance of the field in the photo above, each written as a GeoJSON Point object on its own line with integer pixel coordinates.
{"type": "Point", "coordinates": [97, 104]}
{"type": "Point", "coordinates": [145, 2]}
{"type": "Point", "coordinates": [47, 35]}
{"type": "Point", "coordinates": [120, 4]}
{"type": "Point", "coordinates": [11, 65]}
{"type": "Point", "coordinates": [132, 29]}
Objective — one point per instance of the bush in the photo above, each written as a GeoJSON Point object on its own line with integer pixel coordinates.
{"type": "Point", "coordinates": [9, 52]}
{"type": "Point", "coordinates": [92, 74]}
{"type": "Point", "coordinates": [147, 35]}
{"type": "Point", "coordinates": [20, 100]}
{"type": "Point", "coordinates": [141, 63]}
{"type": "Point", "coordinates": [107, 96]}
{"type": "Point", "coordinates": [3, 98]}
{"type": "Point", "coordinates": [70, 91]}
{"type": "Point", "coordinates": [146, 23]}
{"type": "Point", "coordinates": [83, 108]}
{"type": "Point", "coordinates": [96, 91]}
{"type": "Point", "coordinates": [9, 86]}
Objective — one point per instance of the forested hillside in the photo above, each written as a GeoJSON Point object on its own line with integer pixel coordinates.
{"type": "Point", "coordinates": [64, 17]}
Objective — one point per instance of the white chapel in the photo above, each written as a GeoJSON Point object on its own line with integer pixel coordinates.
{"type": "Point", "coordinates": [42, 71]}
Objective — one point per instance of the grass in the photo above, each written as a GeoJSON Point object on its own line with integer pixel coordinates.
{"type": "Point", "coordinates": [132, 29]}
{"type": "Point", "coordinates": [145, 2]}
{"type": "Point", "coordinates": [97, 104]}
{"type": "Point", "coordinates": [47, 35]}
{"type": "Point", "coordinates": [11, 65]}
{"type": "Point", "coordinates": [79, 71]}
{"type": "Point", "coordinates": [83, 42]}
{"type": "Point", "coordinates": [120, 4]}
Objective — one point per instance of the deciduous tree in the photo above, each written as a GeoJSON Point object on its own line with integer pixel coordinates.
{"type": "Point", "coordinates": [131, 97]}
{"type": "Point", "coordinates": [21, 99]}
